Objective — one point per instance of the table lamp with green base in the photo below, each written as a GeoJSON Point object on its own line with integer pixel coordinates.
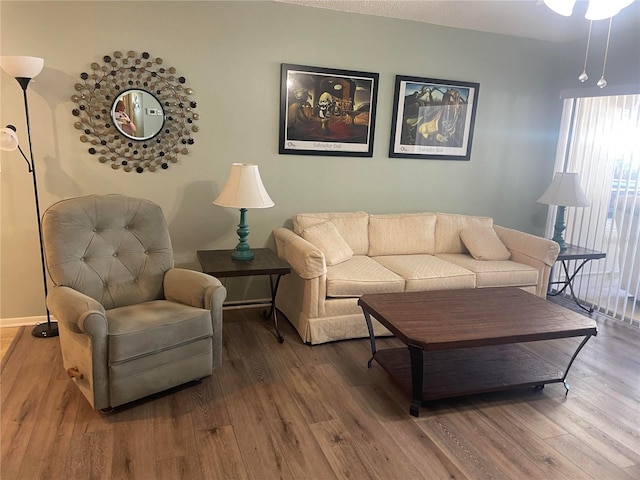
{"type": "Point", "coordinates": [243, 190]}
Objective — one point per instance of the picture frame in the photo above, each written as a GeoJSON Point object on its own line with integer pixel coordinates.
{"type": "Point", "coordinates": [327, 111]}
{"type": "Point", "coordinates": [432, 118]}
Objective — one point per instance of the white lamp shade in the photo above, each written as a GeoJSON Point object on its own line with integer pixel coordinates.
{"type": "Point", "coordinates": [8, 140]}
{"type": "Point", "coordinates": [244, 189]}
{"type": "Point", "coordinates": [565, 190]}
{"type": "Point", "coordinates": [22, 67]}
{"type": "Point", "coordinates": [561, 7]}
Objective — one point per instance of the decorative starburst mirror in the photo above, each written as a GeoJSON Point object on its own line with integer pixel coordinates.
{"type": "Point", "coordinates": [134, 113]}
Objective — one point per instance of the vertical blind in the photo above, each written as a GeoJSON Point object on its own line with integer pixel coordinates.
{"type": "Point", "coordinates": [600, 140]}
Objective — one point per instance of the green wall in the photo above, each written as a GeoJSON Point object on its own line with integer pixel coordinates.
{"type": "Point", "coordinates": [231, 53]}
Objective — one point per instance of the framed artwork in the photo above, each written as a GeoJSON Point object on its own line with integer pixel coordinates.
{"type": "Point", "coordinates": [433, 119]}
{"type": "Point", "coordinates": [325, 111]}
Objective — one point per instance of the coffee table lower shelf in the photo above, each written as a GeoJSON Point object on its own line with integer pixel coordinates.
{"type": "Point", "coordinates": [468, 371]}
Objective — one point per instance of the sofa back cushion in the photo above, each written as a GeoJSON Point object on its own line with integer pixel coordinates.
{"type": "Point", "coordinates": [448, 228]}
{"type": "Point", "coordinates": [402, 234]}
{"type": "Point", "coordinates": [352, 226]}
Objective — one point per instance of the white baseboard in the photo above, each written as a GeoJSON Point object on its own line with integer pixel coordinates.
{"type": "Point", "coordinates": [21, 321]}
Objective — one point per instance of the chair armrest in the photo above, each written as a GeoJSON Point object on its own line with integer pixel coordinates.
{"type": "Point", "coordinates": [531, 246]}
{"type": "Point", "coordinates": [305, 259]}
{"type": "Point", "coordinates": [79, 312]}
{"type": "Point", "coordinates": [202, 291]}
{"type": "Point", "coordinates": [190, 287]}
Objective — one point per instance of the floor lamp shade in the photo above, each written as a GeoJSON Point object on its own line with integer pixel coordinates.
{"type": "Point", "coordinates": [244, 189]}
{"type": "Point", "coordinates": [8, 140]}
{"type": "Point", "coordinates": [564, 191]}
{"type": "Point", "coordinates": [22, 67]}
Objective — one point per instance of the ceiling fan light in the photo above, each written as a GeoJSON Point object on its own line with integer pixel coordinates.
{"type": "Point", "coordinates": [601, 9]}
{"type": "Point", "coordinates": [561, 7]}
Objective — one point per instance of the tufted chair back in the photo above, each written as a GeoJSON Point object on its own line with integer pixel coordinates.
{"type": "Point", "coordinates": [112, 248]}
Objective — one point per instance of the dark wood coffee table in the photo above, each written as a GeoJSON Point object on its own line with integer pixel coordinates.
{"type": "Point", "coordinates": [463, 342]}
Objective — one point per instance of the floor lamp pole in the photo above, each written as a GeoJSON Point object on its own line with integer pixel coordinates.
{"type": "Point", "coordinates": [49, 329]}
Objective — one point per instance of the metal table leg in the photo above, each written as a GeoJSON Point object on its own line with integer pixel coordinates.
{"type": "Point", "coordinates": [575, 354]}
{"type": "Point", "coordinates": [568, 282]}
{"type": "Point", "coordinates": [372, 337]}
{"type": "Point", "coordinates": [272, 310]}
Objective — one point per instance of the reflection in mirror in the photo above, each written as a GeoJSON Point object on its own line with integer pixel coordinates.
{"type": "Point", "coordinates": [137, 114]}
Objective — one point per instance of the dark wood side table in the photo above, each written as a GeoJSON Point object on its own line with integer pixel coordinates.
{"type": "Point", "coordinates": [579, 254]}
{"type": "Point", "coordinates": [219, 263]}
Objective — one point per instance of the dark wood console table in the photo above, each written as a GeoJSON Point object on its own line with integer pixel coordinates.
{"type": "Point", "coordinates": [219, 263]}
{"type": "Point", "coordinates": [578, 254]}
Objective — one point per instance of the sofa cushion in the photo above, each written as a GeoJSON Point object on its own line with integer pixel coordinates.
{"type": "Point", "coordinates": [426, 272]}
{"type": "Point", "coordinates": [483, 243]}
{"type": "Point", "coordinates": [360, 275]}
{"type": "Point", "coordinates": [448, 228]}
{"type": "Point", "coordinates": [500, 273]}
{"type": "Point", "coordinates": [400, 234]}
{"type": "Point", "coordinates": [326, 237]}
{"type": "Point", "coordinates": [353, 227]}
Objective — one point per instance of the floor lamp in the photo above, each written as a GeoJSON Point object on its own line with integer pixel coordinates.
{"type": "Point", "coordinates": [24, 69]}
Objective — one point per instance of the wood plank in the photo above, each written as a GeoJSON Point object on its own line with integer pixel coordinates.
{"type": "Point", "coordinates": [583, 429]}
{"type": "Point", "coordinates": [259, 446]}
{"type": "Point", "coordinates": [302, 453]}
{"type": "Point", "coordinates": [179, 467]}
{"type": "Point", "coordinates": [219, 453]}
{"type": "Point", "coordinates": [7, 335]}
{"type": "Point", "coordinates": [340, 449]}
{"type": "Point", "coordinates": [523, 445]}
{"type": "Point", "coordinates": [466, 452]}
{"type": "Point", "coordinates": [134, 450]}
{"type": "Point", "coordinates": [173, 429]}
{"type": "Point", "coordinates": [90, 455]}
{"type": "Point", "coordinates": [588, 459]}
{"type": "Point", "coordinates": [58, 413]}
{"type": "Point", "coordinates": [380, 448]}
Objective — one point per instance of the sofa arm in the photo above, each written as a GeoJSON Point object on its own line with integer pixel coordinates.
{"type": "Point", "coordinates": [532, 246]}
{"type": "Point", "coordinates": [537, 252]}
{"type": "Point", "coordinates": [305, 259]}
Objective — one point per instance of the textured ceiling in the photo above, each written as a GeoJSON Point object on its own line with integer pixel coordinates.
{"type": "Point", "coordinates": [523, 18]}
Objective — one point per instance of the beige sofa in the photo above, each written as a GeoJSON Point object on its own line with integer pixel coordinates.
{"type": "Point", "coordinates": [336, 257]}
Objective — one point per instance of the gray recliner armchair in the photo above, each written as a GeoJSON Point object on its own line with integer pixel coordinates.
{"type": "Point", "coordinates": [130, 324]}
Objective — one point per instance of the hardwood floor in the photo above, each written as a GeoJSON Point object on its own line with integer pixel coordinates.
{"type": "Point", "coordinates": [294, 411]}
{"type": "Point", "coordinates": [7, 335]}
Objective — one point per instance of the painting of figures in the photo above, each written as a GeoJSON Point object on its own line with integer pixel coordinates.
{"type": "Point", "coordinates": [327, 111]}
{"type": "Point", "coordinates": [433, 118]}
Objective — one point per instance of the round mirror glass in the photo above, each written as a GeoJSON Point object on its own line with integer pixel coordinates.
{"type": "Point", "coordinates": [137, 114]}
